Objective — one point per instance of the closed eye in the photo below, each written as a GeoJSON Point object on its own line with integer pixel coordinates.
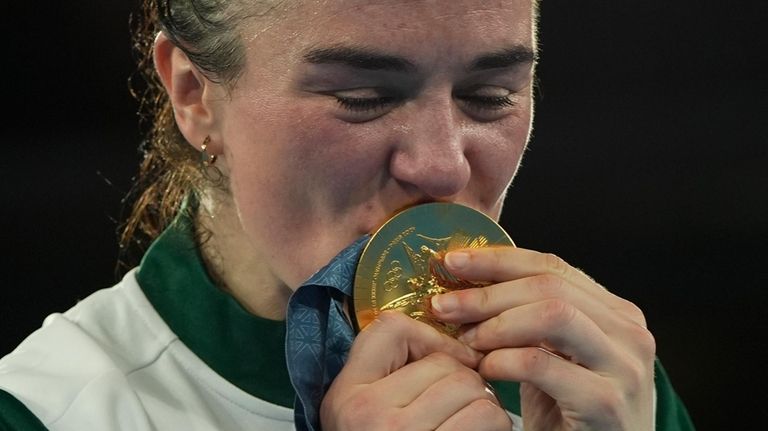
{"type": "Point", "coordinates": [363, 104]}
{"type": "Point", "coordinates": [486, 102]}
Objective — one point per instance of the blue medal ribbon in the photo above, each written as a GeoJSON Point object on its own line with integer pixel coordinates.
{"type": "Point", "coordinates": [318, 333]}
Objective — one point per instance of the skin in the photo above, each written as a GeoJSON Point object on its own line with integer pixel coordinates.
{"type": "Point", "coordinates": [319, 151]}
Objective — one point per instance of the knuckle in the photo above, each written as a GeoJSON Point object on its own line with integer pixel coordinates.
{"type": "Point", "coordinates": [554, 264]}
{"type": "Point", "coordinates": [484, 298]}
{"type": "Point", "coordinates": [492, 365]}
{"type": "Point", "coordinates": [644, 341]}
{"type": "Point", "coordinates": [498, 255]}
{"type": "Point", "coordinates": [392, 319]}
{"type": "Point", "coordinates": [638, 376]}
{"type": "Point", "coordinates": [443, 360]}
{"type": "Point", "coordinates": [467, 379]}
{"type": "Point", "coordinates": [557, 313]}
{"type": "Point", "coordinates": [474, 300]}
{"type": "Point", "coordinates": [491, 329]}
{"type": "Point", "coordinates": [494, 329]}
{"type": "Point", "coordinates": [547, 285]}
{"type": "Point", "coordinates": [633, 312]}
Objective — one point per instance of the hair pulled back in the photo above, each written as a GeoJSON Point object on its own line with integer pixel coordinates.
{"type": "Point", "coordinates": [207, 32]}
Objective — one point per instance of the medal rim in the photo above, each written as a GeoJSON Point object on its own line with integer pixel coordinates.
{"type": "Point", "coordinates": [421, 207]}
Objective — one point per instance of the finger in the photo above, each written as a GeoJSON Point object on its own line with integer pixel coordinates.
{"type": "Point", "coordinates": [409, 382]}
{"type": "Point", "coordinates": [552, 324]}
{"type": "Point", "coordinates": [559, 378]}
{"type": "Point", "coordinates": [508, 263]}
{"type": "Point", "coordinates": [394, 339]}
{"type": "Point", "coordinates": [480, 415]}
{"type": "Point", "coordinates": [511, 263]}
{"type": "Point", "coordinates": [446, 397]}
{"type": "Point", "coordinates": [567, 383]}
{"type": "Point", "coordinates": [477, 304]}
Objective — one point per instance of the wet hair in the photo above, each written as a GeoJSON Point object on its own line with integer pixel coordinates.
{"type": "Point", "coordinates": [170, 171]}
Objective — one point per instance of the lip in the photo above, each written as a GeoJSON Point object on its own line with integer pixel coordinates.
{"type": "Point", "coordinates": [372, 228]}
{"type": "Point", "coordinates": [415, 203]}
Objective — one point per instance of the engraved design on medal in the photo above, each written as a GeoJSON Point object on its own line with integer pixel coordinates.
{"type": "Point", "coordinates": [402, 266]}
{"type": "Point", "coordinates": [431, 277]}
{"type": "Point", "coordinates": [392, 282]}
{"type": "Point", "coordinates": [394, 275]}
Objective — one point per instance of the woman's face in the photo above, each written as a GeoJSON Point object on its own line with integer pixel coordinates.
{"type": "Point", "coordinates": [349, 110]}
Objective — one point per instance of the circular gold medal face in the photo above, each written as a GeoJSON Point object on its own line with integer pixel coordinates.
{"type": "Point", "coordinates": [401, 267]}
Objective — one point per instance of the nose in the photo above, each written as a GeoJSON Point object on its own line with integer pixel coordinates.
{"type": "Point", "coordinates": [430, 154]}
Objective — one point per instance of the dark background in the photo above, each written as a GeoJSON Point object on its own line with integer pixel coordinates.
{"type": "Point", "coordinates": [648, 169]}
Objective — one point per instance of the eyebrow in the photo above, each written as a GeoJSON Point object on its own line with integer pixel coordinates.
{"type": "Point", "coordinates": [368, 59]}
{"type": "Point", "coordinates": [360, 58]}
{"type": "Point", "coordinates": [505, 58]}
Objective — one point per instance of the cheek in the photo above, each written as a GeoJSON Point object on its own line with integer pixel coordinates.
{"type": "Point", "coordinates": [340, 164]}
{"type": "Point", "coordinates": [303, 183]}
{"type": "Point", "coordinates": [495, 158]}
{"type": "Point", "coordinates": [306, 168]}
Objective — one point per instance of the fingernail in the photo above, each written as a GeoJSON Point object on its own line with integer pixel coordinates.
{"type": "Point", "coordinates": [456, 259]}
{"type": "Point", "coordinates": [445, 303]}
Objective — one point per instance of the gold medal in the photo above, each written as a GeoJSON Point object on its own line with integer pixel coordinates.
{"type": "Point", "coordinates": [401, 267]}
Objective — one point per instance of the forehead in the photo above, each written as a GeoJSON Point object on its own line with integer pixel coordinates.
{"type": "Point", "coordinates": [406, 27]}
{"type": "Point", "coordinates": [400, 10]}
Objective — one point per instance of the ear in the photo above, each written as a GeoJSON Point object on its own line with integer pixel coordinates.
{"type": "Point", "coordinates": [187, 89]}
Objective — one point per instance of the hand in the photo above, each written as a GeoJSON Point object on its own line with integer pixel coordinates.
{"type": "Point", "coordinates": [584, 356]}
{"type": "Point", "coordinates": [402, 374]}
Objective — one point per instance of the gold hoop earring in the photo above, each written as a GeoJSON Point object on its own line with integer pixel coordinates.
{"type": "Point", "coordinates": [205, 158]}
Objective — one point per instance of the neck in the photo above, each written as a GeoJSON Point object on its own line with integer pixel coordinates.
{"type": "Point", "coordinates": [235, 264]}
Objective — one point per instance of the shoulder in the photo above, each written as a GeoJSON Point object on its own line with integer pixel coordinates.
{"type": "Point", "coordinates": [81, 359]}
{"type": "Point", "coordinates": [15, 416]}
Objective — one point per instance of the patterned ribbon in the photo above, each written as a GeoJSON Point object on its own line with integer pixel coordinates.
{"type": "Point", "coordinates": [318, 333]}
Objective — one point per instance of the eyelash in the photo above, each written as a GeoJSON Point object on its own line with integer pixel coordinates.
{"type": "Point", "coordinates": [481, 103]}
{"type": "Point", "coordinates": [363, 104]}
{"type": "Point", "coordinates": [488, 103]}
